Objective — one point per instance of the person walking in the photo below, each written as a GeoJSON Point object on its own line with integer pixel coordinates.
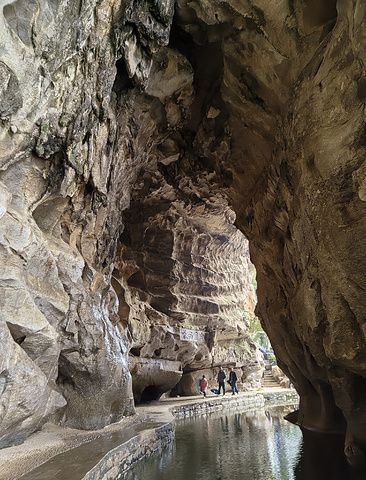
{"type": "Point", "coordinates": [221, 380]}
{"type": "Point", "coordinates": [233, 381]}
{"type": "Point", "coordinates": [203, 386]}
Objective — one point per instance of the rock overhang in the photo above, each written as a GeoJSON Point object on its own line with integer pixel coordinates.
{"type": "Point", "coordinates": [261, 104]}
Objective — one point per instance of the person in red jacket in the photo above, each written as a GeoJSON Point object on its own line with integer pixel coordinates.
{"type": "Point", "coordinates": [203, 386]}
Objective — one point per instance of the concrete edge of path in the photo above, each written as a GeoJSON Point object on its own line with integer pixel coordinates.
{"type": "Point", "coordinates": [46, 451]}
{"type": "Point", "coordinates": [116, 462]}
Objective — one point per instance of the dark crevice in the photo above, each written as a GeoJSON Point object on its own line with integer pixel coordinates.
{"type": "Point", "coordinates": [181, 40]}
{"type": "Point", "coordinates": [150, 394]}
{"type": "Point", "coordinates": [317, 13]}
{"type": "Point", "coordinates": [137, 280]}
{"type": "Point", "coordinates": [63, 379]}
{"type": "Point", "coordinates": [17, 332]}
{"type": "Point", "coordinates": [135, 351]}
{"type": "Point", "coordinates": [122, 82]}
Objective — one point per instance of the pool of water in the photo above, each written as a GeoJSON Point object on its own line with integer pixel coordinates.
{"type": "Point", "coordinates": [255, 445]}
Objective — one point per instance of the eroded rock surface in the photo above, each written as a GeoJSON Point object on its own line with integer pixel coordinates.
{"type": "Point", "coordinates": [296, 123]}
{"type": "Point", "coordinates": [130, 134]}
{"type": "Point", "coordinates": [78, 138]}
{"type": "Point", "coordinates": [184, 275]}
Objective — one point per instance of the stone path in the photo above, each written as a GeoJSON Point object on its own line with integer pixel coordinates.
{"type": "Point", "coordinates": [66, 454]}
{"type": "Point", "coordinates": [268, 381]}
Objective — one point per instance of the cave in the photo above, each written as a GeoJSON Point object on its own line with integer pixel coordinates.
{"type": "Point", "coordinates": [151, 393]}
{"type": "Point", "coordinates": [170, 171]}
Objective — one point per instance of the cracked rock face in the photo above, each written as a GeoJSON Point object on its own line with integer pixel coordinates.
{"type": "Point", "coordinates": [137, 142]}
{"type": "Point", "coordinates": [81, 149]}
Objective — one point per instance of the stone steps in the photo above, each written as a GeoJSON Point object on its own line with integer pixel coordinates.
{"type": "Point", "coordinates": [269, 384]}
{"type": "Point", "coordinates": [268, 381]}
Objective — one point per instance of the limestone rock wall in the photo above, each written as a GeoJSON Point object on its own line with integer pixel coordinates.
{"type": "Point", "coordinates": [184, 280]}
{"type": "Point", "coordinates": [87, 93]}
{"type": "Point", "coordinates": [62, 152]}
{"type": "Point", "coordinates": [292, 83]}
{"type": "Point", "coordinates": [130, 133]}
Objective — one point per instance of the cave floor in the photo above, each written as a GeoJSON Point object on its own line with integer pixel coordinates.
{"type": "Point", "coordinates": [68, 454]}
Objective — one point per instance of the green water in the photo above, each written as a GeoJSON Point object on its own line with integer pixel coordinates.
{"type": "Point", "coordinates": [257, 445]}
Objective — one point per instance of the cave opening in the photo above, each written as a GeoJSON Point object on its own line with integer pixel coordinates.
{"type": "Point", "coordinates": [267, 114]}
{"type": "Point", "coordinates": [151, 393]}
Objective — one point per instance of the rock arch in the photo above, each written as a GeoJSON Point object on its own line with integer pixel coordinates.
{"type": "Point", "coordinates": [224, 118]}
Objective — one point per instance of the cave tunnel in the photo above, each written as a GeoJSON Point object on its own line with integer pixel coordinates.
{"type": "Point", "coordinates": [251, 116]}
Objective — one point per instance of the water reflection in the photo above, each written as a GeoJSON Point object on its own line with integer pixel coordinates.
{"type": "Point", "coordinates": [258, 445]}
{"type": "Point", "coordinates": [322, 458]}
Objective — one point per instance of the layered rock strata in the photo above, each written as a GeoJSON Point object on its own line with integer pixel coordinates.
{"type": "Point", "coordinates": [112, 110]}
{"type": "Point", "coordinates": [184, 280]}
{"type": "Point", "coordinates": [77, 135]}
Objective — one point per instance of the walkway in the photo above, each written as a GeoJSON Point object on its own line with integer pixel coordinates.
{"type": "Point", "coordinates": [67, 454]}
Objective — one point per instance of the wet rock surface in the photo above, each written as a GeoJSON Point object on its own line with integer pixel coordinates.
{"type": "Point", "coordinates": [136, 144]}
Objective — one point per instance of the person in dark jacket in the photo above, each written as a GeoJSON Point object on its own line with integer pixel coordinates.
{"type": "Point", "coordinates": [233, 381]}
{"type": "Point", "coordinates": [221, 380]}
